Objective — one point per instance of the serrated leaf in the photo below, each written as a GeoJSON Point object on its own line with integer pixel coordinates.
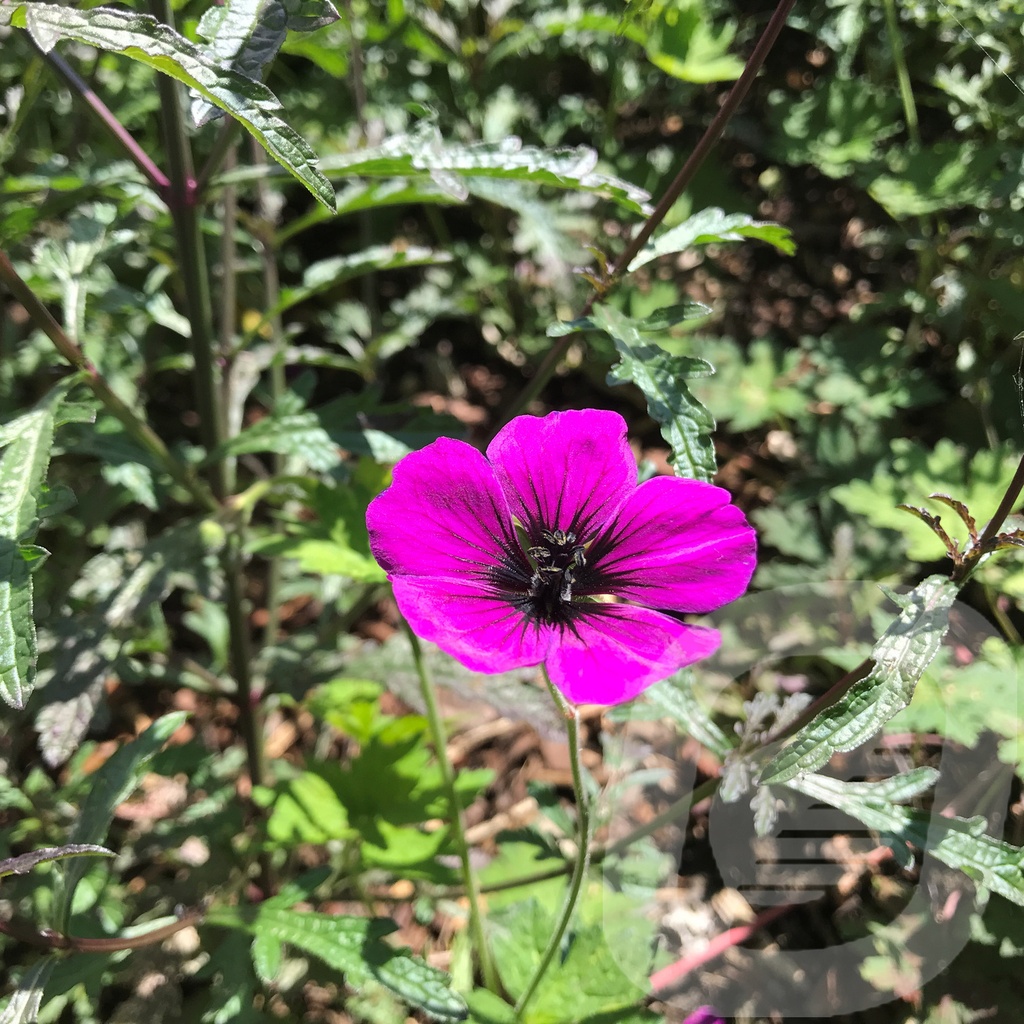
{"type": "Point", "coordinates": [23, 1006]}
{"type": "Point", "coordinates": [245, 35]}
{"type": "Point", "coordinates": [683, 44]}
{"type": "Point", "coordinates": [354, 946]}
{"type": "Point", "coordinates": [158, 46]}
{"type": "Point", "coordinates": [22, 472]}
{"type": "Point", "coordinates": [960, 843]}
{"type": "Point", "coordinates": [297, 434]}
{"type": "Point", "coordinates": [900, 657]}
{"type": "Point", "coordinates": [714, 226]}
{"type": "Point", "coordinates": [685, 424]}
{"type": "Point", "coordinates": [27, 861]}
{"type": "Point", "coordinates": [110, 785]}
{"type": "Point", "coordinates": [423, 153]}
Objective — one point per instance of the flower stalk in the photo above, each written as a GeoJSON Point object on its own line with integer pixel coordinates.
{"type": "Point", "coordinates": [439, 736]}
{"type": "Point", "coordinates": [583, 829]}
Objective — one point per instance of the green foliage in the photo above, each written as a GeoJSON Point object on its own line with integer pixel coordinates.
{"type": "Point", "coordinates": [899, 660]}
{"type": "Point", "coordinates": [911, 474]}
{"type": "Point", "coordinates": [27, 442]}
{"type": "Point", "coordinates": [144, 39]}
{"type": "Point", "coordinates": [685, 423]}
{"type": "Point", "coordinates": [352, 945]}
{"type": "Point", "coordinates": [712, 227]}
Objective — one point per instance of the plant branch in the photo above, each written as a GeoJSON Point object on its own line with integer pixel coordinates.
{"type": "Point", "coordinates": [134, 151]}
{"type": "Point", "coordinates": [582, 851]}
{"type": "Point", "coordinates": [52, 940]}
{"type": "Point", "coordinates": [679, 184]}
{"type": "Point", "coordinates": [182, 199]}
{"type": "Point", "coordinates": [136, 427]}
{"type": "Point", "coordinates": [440, 738]}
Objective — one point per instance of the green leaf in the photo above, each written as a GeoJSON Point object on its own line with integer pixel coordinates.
{"type": "Point", "coordinates": [675, 698]}
{"type": "Point", "coordinates": [960, 843]}
{"type": "Point", "coordinates": [423, 153]}
{"type": "Point", "coordinates": [329, 273]}
{"type": "Point", "coordinates": [836, 125]}
{"type": "Point", "coordinates": [29, 440]}
{"type": "Point", "coordinates": [944, 176]}
{"type": "Point", "coordinates": [144, 39]}
{"type": "Point", "coordinates": [683, 44]}
{"type": "Point", "coordinates": [86, 644]}
{"type": "Point", "coordinates": [594, 979]}
{"type": "Point", "coordinates": [336, 541]}
{"type": "Point", "coordinates": [297, 434]}
{"type": "Point", "coordinates": [27, 861]}
{"type": "Point", "coordinates": [685, 424]}
{"type": "Point", "coordinates": [353, 945]}
{"type": "Point", "coordinates": [714, 226]}
{"type": "Point", "coordinates": [963, 702]}
{"type": "Point", "coordinates": [246, 35]}
{"type": "Point", "coordinates": [306, 809]}
{"type": "Point", "coordinates": [23, 1006]}
{"type": "Point", "coordinates": [900, 657]}
{"type": "Point", "coordinates": [109, 787]}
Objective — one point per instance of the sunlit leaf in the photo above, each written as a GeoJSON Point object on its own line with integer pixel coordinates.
{"type": "Point", "coordinates": [900, 657]}
{"type": "Point", "coordinates": [144, 39]}
{"type": "Point", "coordinates": [686, 425]}
{"type": "Point", "coordinates": [23, 1006]}
{"type": "Point", "coordinates": [29, 439]}
{"type": "Point", "coordinates": [353, 945]}
{"type": "Point", "coordinates": [27, 861]}
{"type": "Point", "coordinates": [245, 35]}
{"type": "Point", "coordinates": [714, 226]}
{"type": "Point", "coordinates": [960, 843]}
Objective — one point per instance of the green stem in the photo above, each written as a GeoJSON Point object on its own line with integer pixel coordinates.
{"type": "Point", "coordinates": [183, 199]}
{"type": "Point", "coordinates": [582, 850]}
{"type": "Point", "coordinates": [136, 427]}
{"type": "Point", "coordinates": [278, 381]}
{"type": "Point", "coordinates": [182, 196]}
{"type": "Point", "coordinates": [440, 738]}
{"type": "Point", "coordinates": [899, 59]}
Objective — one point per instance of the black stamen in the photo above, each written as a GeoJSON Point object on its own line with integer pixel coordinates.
{"type": "Point", "coordinates": [556, 564]}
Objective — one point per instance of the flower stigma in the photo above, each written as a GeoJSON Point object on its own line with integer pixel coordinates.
{"type": "Point", "coordinates": [556, 564]}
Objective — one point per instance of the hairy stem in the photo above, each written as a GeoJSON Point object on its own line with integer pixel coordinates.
{"type": "Point", "coordinates": [440, 738]}
{"type": "Point", "coordinates": [136, 427]}
{"type": "Point", "coordinates": [582, 862]}
{"type": "Point", "coordinates": [679, 184]}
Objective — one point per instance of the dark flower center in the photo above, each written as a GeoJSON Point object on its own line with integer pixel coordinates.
{"type": "Point", "coordinates": [557, 563]}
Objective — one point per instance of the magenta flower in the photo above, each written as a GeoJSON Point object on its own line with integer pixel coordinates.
{"type": "Point", "coordinates": [546, 551]}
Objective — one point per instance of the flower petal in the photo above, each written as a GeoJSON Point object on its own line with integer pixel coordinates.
{"type": "Point", "coordinates": [444, 517]}
{"type": "Point", "coordinates": [677, 544]}
{"type": "Point", "coordinates": [476, 625]}
{"type": "Point", "coordinates": [617, 650]}
{"type": "Point", "coordinates": [564, 471]}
